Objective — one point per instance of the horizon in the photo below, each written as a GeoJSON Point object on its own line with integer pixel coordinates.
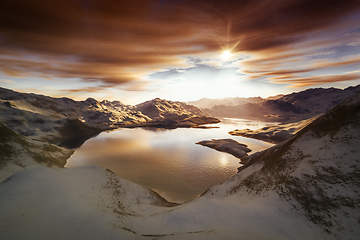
{"type": "Point", "coordinates": [178, 50]}
{"type": "Point", "coordinates": [188, 102]}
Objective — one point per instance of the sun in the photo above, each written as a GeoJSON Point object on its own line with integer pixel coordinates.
{"type": "Point", "coordinates": [226, 54]}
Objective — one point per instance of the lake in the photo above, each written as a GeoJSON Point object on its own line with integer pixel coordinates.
{"type": "Point", "coordinates": [168, 161]}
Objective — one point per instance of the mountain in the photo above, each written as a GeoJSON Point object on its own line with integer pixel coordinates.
{"type": "Point", "coordinates": [159, 109]}
{"type": "Point", "coordinates": [65, 122]}
{"type": "Point", "coordinates": [56, 120]}
{"type": "Point", "coordinates": [317, 172]}
{"type": "Point", "coordinates": [304, 188]}
{"type": "Point", "coordinates": [209, 103]}
{"type": "Point", "coordinates": [171, 114]}
{"type": "Point", "coordinates": [288, 108]}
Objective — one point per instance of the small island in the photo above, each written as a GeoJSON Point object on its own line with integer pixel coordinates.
{"type": "Point", "coordinates": [231, 146]}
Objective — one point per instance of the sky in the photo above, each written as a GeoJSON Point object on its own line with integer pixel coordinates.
{"type": "Point", "coordinates": [180, 50]}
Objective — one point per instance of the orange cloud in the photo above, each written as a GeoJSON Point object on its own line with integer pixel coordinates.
{"type": "Point", "coordinates": [316, 80]}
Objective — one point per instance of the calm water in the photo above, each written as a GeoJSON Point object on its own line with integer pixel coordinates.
{"type": "Point", "coordinates": [167, 161]}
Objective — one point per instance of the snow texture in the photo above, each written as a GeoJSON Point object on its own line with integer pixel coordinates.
{"type": "Point", "coordinates": [304, 188]}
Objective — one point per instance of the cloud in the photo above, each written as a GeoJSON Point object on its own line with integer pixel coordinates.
{"type": "Point", "coordinates": [118, 42]}
{"type": "Point", "coordinates": [294, 75]}
{"type": "Point", "coordinates": [316, 80]}
{"type": "Point", "coordinates": [7, 81]}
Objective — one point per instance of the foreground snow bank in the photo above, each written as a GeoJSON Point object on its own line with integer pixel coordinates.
{"type": "Point", "coordinates": [77, 203]}
{"type": "Point", "coordinates": [93, 203]}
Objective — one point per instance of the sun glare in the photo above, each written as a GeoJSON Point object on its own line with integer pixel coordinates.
{"type": "Point", "coordinates": [226, 54]}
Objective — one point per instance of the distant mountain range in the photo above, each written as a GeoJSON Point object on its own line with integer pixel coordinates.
{"type": "Point", "coordinates": [229, 101]}
{"type": "Point", "coordinates": [292, 107]}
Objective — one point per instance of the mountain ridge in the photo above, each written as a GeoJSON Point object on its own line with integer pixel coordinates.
{"type": "Point", "coordinates": [317, 171]}
{"type": "Point", "coordinates": [288, 108]}
{"type": "Point", "coordinates": [44, 118]}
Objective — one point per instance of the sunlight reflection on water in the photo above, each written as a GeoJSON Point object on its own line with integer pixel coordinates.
{"type": "Point", "coordinates": [167, 161]}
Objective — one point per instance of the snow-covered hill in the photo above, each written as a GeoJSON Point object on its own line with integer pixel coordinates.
{"type": "Point", "coordinates": [18, 152]}
{"type": "Point", "coordinates": [304, 188]}
{"type": "Point", "coordinates": [288, 108]}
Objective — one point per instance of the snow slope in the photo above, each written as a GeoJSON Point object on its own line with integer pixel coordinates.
{"type": "Point", "coordinates": [316, 172]}
{"type": "Point", "coordinates": [77, 203]}
{"type": "Point", "coordinates": [18, 152]}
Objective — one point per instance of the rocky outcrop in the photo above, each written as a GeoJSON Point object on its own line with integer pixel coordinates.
{"type": "Point", "coordinates": [274, 133]}
{"type": "Point", "coordinates": [231, 146]}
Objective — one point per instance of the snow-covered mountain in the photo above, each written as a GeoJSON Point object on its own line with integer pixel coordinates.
{"type": "Point", "coordinates": [316, 172]}
{"type": "Point", "coordinates": [57, 119]}
{"type": "Point", "coordinates": [288, 108]}
{"type": "Point", "coordinates": [63, 121]}
{"type": "Point", "coordinates": [170, 114]}
{"type": "Point", "coordinates": [159, 109]}
{"type": "Point", "coordinates": [304, 188]}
